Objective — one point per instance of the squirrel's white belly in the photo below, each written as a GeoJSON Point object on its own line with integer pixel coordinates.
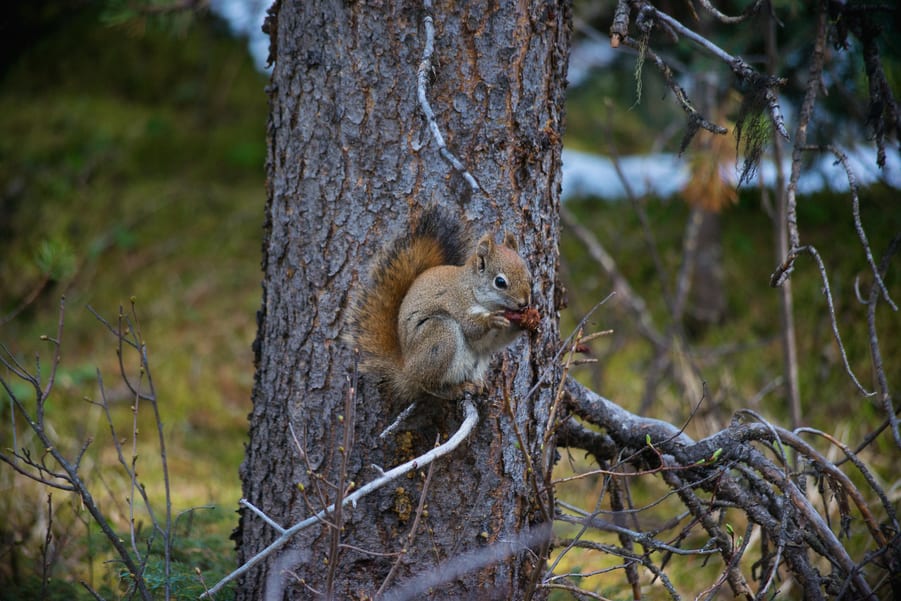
{"type": "Point", "coordinates": [467, 365]}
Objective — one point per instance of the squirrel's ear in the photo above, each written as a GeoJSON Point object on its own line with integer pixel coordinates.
{"type": "Point", "coordinates": [510, 240]}
{"type": "Point", "coordinates": [484, 247]}
{"type": "Point", "coordinates": [483, 250]}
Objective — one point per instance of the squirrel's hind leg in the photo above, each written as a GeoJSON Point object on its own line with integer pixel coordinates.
{"type": "Point", "coordinates": [436, 358]}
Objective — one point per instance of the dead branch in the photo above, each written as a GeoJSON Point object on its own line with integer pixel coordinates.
{"type": "Point", "coordinates": [422, 77]}
{"type": "Point", "coordinates": [875, 352]}
{"type": "Point", "coordinates": [744, 467]}
{"type": "Point", "coordinates": [750, 11]}
{"type": "Point", "coordinates": [454, 567]}
{"type": "Point", "coordinates": [648, 16]}
{"type": "Point", "coordinates": [842, 159]}
{"type": "Point", "coordinates": [67, 471]}
{"type": "Point", "coordinates": [814, 82]}
{"type": "Point", "coordinates": [285, 534]}
{"type": "Point", "coordinates": [634, 302]}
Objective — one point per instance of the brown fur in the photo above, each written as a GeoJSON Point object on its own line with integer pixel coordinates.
{"type": "Point", "coordinates": [434, 312]}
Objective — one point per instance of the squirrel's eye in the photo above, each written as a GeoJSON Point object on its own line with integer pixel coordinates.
{"type": "Point", "coordinates": [500, 282]}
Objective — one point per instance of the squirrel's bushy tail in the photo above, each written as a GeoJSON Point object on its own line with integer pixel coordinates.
{"type": "Point", "coordinates": [437, 239]}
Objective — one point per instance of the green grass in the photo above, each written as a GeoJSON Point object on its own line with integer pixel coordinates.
{"type": "Point", "coordinates": [131, 164]}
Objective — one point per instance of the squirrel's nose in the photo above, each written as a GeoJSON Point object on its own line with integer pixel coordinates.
{"type": "Point", "coordinates": [524, 304]}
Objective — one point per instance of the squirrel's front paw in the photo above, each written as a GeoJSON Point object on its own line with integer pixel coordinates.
{"type": "Point", "coordinates": [498, 321]}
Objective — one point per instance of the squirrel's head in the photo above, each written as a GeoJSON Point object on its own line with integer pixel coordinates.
{"type": "Point", "coordinates": [504, 280]}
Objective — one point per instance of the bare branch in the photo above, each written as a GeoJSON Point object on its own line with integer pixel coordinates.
{"type": "Point", "coordinates": [57, 343]}
{"type": "Point", "coordinates": [402, 416]}
{"type": "Point", "coordinates": [842, 159]}
{"type": "Point", "coordinates": [417, 587]}
{"type": "Point", "coordinates": [69, 470]}
{"type": "Point", "coordinates": [633, 557]}
{"type": "Point", "coordinates": [695, 119]}
{"type": "Point", "coordinates": [262, 515]}
{"type": "Point", "coordinates": [469, 422]}
{"type": "Point", "coordinates": [349, 421]}
{"type": "Point", "coordinates": [760, 84]}
{"type": "Point", "coordinates": [750, 11]}
{"type": "Point", "coordinates": [619, 29]}
{"type": "Point", "coordinates": [643, 538]}
{"type": "Point", "coordinates": [827, 291]}
{"type": "Point", "coordinates": [814, 82]}
{"type": "Point", "coordinates": [768, 496]}
{"type": "Point", "coordinates": [876, 354]}
{"type": "Point", "coordinates": [620, 285]}
{"type": "Point", "coordinates": [11, 461]}
{"type": "Point", "coordinates": [425, 68]}
{"type": "Point", "coordinates": [622, 425]}
{"type": "Point", "coordinates": [573, 434]}
{"type": "Point", "coordinates": [846, 483]}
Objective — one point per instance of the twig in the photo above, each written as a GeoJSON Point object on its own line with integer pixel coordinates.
{"type": "Point", "coordinates": [530, 473]}
{"type": "Point", "coordinates": [577, 592]}
{"type": "Point", "coordinates": [878, 368]}
{"type": "Point", "coordinates": [411, 535]}
{"type": "Point", "coordinates": [69, 472]}
{"type": "Point", "coordinates": [842, 159]}
{"type": "Point", "coordinates": [301, 451]}
{"type": "Point", "coordinates": [620, 285]}
{"type": "Point", "coordinates": [45, 549]}
{"type": "Point", "coordinates": [129, 468]}
{"type": "Point", "coordinates": [133, 473]}
{"type": "Point", "coordinates": [399, 420]}
{"type": "Point", "coordinates": [201, 578]}
{"type": "Point", "coordinates": [759, 498]}
{"type": "Point", "coordinates": [620, 552]}
{"type": "Point", "coordinates": [166, 532]}
{"type": "Point", "coordinates": [816, 531]}
{"type": "Point", "coordinates": [741, 69]}
{"type": "Point", "coordinates": [695, 118]}
{"type": "Point", "coordinates": [723, 18]}
{"type": "Point", "coordinates": [57, 356]}
{"type": "Point", "coordinates": [348, 420]}
{"type": "Point", "coordinates": [262, 515]}
{"type": "Point", "coordinates": [418, 586]}
{"type": "Point", "coordinates": [783, 272]}
{"type": "Point", "coordinates": [812, 251]}
{"type": "Point", "coordinates": [545, 375]}
{"type": "Point", "coordinates": [643, 538]}
{"type": "Point", "coordinates": [425, 67]}
{"type": "Point", "coordinates": [91, 591]}
{"type": "Point", "coordinates": [469, 422]}
{"type": "Point", "coordinates": [833, 470]}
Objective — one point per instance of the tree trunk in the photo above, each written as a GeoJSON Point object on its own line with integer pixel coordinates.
{"type": "Point", "coordinates": [350, 157]}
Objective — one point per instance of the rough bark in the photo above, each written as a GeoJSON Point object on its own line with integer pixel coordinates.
{"type": "Point", "coordinates": [350, 158]}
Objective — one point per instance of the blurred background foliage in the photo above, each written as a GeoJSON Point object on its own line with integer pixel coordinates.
{"type": "Point", "coordinates": [131, 165]}
{"type": "Point", "coordinates": [132, 146]}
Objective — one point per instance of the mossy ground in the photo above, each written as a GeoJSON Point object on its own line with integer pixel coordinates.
{"type": "Point", "coordinates": [132, 169]}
